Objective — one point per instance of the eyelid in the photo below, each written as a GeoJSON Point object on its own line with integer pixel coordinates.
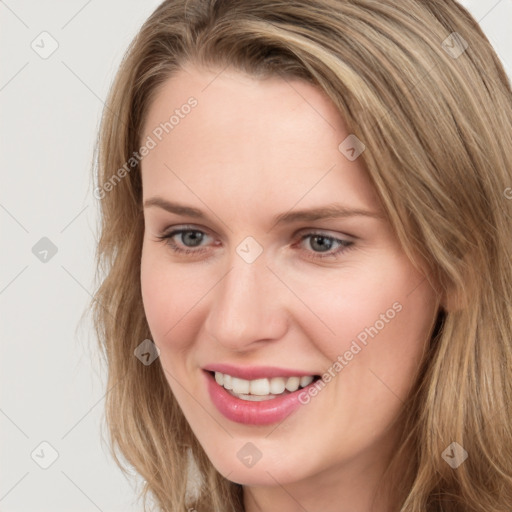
{"type": "Point", "coordinates": [320, 231]}
{"type": "Point", "coordinates": [328, 233]}
{"type": "Point", "coordinates": [183, 227]}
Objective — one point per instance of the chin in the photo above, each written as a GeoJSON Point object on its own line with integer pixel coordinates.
{"type": "Point", "coordinates": [269, 470]}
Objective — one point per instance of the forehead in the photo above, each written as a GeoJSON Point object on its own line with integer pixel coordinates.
{"type": "Point", "coordinates": [249, 135]}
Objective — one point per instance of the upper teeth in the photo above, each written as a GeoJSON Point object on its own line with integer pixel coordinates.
{"type": "Point", "coordinates": [274, 386]}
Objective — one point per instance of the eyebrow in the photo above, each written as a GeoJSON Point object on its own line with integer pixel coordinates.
{"type": "Point", "coordinates": [331, 211]}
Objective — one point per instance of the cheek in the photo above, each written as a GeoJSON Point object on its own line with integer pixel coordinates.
{"type": "Point", "coordinates": [166, 296]}
{"type": "Point", "coordinates": [175, 299]}
{"type": "Point", "coordinates": [376, 320]}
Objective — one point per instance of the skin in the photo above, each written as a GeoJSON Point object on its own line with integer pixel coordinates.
{"type": "Point", "coordinates": [250, 150]}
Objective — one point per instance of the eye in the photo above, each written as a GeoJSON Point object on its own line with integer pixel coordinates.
{"type": "Point", "coordinates": [323, 244]}
{"type": "Point", "coordinates": [194, 237]}
{"type": "Point", "coordinates": [190, 239]}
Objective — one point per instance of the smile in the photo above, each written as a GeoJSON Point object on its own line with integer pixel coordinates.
{"type": "Point", "coordinates": [258, 401]}
{"type": "Point", "coordinates": [261, 389]}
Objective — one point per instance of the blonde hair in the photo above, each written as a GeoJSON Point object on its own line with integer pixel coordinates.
{"type": "Point", "coordinates": [435, 117]}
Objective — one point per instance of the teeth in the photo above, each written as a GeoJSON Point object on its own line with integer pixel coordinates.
{"type": "Point", "coordinates": [306, 381]}
{"type": "Point", "coordinates": [227, 382]}
{"type": "Point", "coordinates": [241, 386]}
{"type": "Point", "coordinates": [292, 384]}
{"type": "Point", "coordinates": [261, 389]}
{"type": "Point", "coordinates": [277, 385]}
{"type": "Point", "coordinates": [255, 398]}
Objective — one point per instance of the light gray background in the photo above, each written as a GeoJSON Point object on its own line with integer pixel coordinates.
{"type": "Point", "coordinates": [52, 388]}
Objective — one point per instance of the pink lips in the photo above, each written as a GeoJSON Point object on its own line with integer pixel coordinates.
{"type": "Point", "coordinates": [265, 412]}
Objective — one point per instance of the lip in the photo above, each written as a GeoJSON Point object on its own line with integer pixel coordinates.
{"type": "Point", "coordinates": [255, 372]}
{"type": "Point", "coordinates": [265, 412]}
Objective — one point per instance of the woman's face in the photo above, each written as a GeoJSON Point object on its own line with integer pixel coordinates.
{"type": "Point", "coordinates": [237, 292]}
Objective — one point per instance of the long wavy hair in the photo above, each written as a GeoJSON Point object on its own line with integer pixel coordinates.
{"type": "Point", "coordinates": [419, 83]}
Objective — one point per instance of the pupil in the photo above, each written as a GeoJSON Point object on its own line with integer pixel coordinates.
{"type": "Point", "coordinates": [193, 236]}
{"type": "Point", "coordinates": [325, 243]}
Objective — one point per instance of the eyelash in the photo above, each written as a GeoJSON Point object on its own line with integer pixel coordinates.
{"type": "Point", "coordinates": [345, 244]}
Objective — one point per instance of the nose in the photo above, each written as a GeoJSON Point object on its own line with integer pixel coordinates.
{"type": "Point", "coordinates": [248, 307]}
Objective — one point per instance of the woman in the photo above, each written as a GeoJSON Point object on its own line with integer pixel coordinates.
{"type": "Point", "coordinates": [306, 244]}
